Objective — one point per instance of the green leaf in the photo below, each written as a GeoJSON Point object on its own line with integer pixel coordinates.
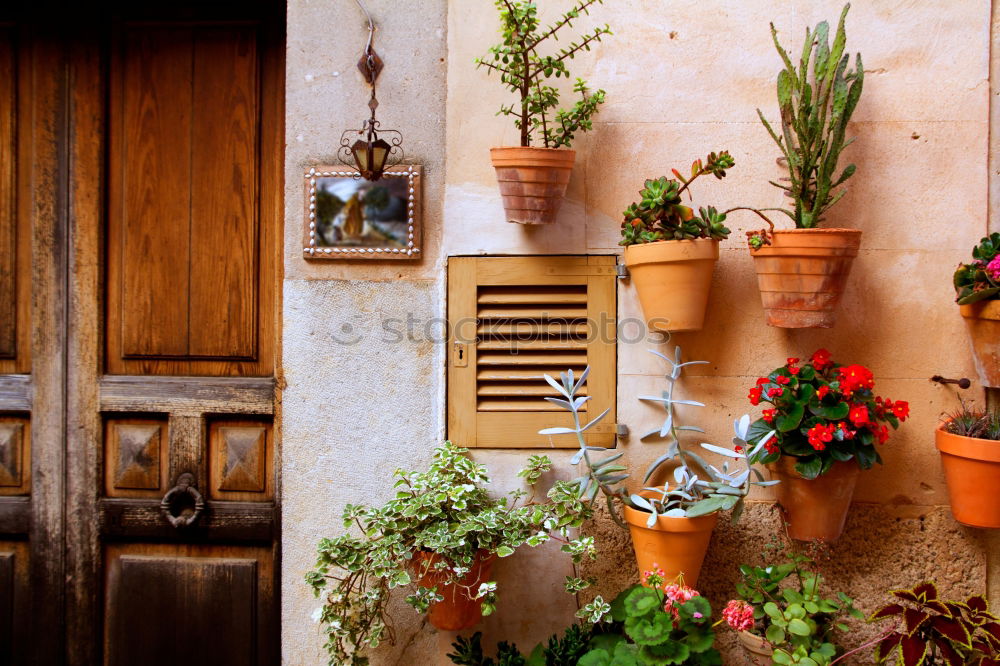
{"type": "Point", "coordinates": [652, 629]}
{"type": "Point", "coordinates": [791, 420]}
{"type": "Point", "coordinates": [641, 601]}
{"type": "Point", "coordinates": [799, 627]}
{"type": "Point", "coordinates": [670, 652]}
{"type": "Point", "coordinates": [810, 468]}
{"type": "Point", "coordinates": [505, 551]}
{"type": "Point", "coordinates": [775, 635]}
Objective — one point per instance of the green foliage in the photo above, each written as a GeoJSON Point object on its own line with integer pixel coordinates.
{"type": "Point", "coordinates": [565, 650]}
{"type": "Point", "coordinates": [790, 612]}
{"type": "Point", "coordinates": [931, 631]}
{"type": "Point", "coordinates": [660, 214]}
{"type": "Point", "coordinates": [976, 281]}
{"type": "Point", "coordinates": [644, 632]}
{"type": "Point", "coordinates": [699, 488]}
{"type": "Point", "coordinates": [816, 100]}
{"type": "Point", "coordinates": [524, 71]}
{"type": "Point", "coordinates": [445, 511]}
{"type": "Point", "coordinates": [971, 422]}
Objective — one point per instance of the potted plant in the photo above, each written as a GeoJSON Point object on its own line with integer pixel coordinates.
{"type": "Point", "coordinates": [969, 442]}
{"type": "Point", "coordinates": [670, 252]}
{"type": "Point", "coordinates": [656, 623]}
{"type": "Point", "coordinates": [533, 178]}
{"type": "Point", "coordinates": [782, 618]}
{"type": "Point", "coordinates": [670, 524]}
{"type": "Point", "coordinates": [802, 272]}
{"type": "Point", "coordinates": [564, 650]}
{"type": "Point", "coordinates": [930, 631]}
{"type": "Point", "coordinates": [829, 423]}
{"type": "Point", "coordinates": [438, 537]}
{"type": "Point", "coordinates": [977, 292]}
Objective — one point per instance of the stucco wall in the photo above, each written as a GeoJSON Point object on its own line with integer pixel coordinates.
{"type": "Point", "coordinates": [683, 78]}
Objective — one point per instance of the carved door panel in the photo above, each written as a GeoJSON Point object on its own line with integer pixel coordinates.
{"type": "Point", "coordinates": [140, 205]}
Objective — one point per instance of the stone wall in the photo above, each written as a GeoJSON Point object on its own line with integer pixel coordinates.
{"type": "Point", "coordinates": [683, 78]}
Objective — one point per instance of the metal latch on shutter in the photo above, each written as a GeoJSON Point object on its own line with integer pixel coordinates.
{"type": "Point", "coordinates": [621, 430]}
{"type": "Point", "coordinates": [621, 270]}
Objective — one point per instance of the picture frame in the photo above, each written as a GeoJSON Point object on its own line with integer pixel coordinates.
{"type": "Point", "coordinates": [350, 218]}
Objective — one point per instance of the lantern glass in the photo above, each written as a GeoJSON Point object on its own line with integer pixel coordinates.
{"type": "Point", "coordinates": [360, 152]}
{"type": "Point", "coordinates": [380, 152]}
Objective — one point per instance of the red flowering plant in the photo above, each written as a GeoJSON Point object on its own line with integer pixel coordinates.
{"type": "Point", "coordinates": [822, 412]}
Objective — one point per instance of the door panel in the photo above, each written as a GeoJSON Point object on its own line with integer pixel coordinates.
{"type": "Point", "coordinates": [13, 598]}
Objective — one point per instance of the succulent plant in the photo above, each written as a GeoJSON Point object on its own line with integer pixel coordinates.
{"type": "Point", "coordinates": [816, 107]}
{"type": "Point", "coordinates": [980, 279]}
{"type": "Point", "coordinates": [661, 215]}
{"type": "Point", "coordinates": [523, 69]}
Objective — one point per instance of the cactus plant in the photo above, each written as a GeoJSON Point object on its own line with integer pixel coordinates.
{"type": "Point", "coordinates": [816, 107]}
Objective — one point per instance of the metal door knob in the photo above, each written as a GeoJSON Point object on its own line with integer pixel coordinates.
{"type": "Point", "coordinates": [182, 504]}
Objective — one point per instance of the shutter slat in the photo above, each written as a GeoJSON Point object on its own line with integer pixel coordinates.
{"type": "Point", "coordinates": [559, 359]}
{"type": "Point", "coordinates": [515, 388]}
{"type": "Point", "coordinates": [528, 295]}
{"type": "Point", "coordinates": [514, 405]}
{"type": "Point", "coordinates": [526, 328]}
{"type": "Point", "coordinates": [543, 344]}
{"type": "Point", "coordinates": [547, 312]}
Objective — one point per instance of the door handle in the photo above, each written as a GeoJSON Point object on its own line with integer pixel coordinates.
{"type": "Point", "coordinates": [182, 504]}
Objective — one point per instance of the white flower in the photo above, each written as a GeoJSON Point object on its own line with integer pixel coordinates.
{"type": "Point", "coordinates": [317, 614]}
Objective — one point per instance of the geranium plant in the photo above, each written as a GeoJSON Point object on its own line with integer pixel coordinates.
{"type": "Point", "coordinates": [524, 70]}
{"type": "Point", "coordinates": [979, 280]}
{"type": "Point", "coordinates": [445, 511]}
{"type": "Point", "coordinates": [930, 631]}
{"type": "Point", "coordinates": [822, 412]}
{"type": "Point", "coordinates": [660, 214]}
{"type": "Point", "coordinates": [656, 623]}
{"type": "Point", "coordinates": [783, 604]}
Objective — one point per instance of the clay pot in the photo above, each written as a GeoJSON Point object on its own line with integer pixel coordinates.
{"type": "Point", "coordinates": [815, 509]}
{"type": "Point", "coordinates": [675, 545]}
{"type": "Point", "coordinates": [757, 649]}
{"type": "Point", "coordinates": [982, 320]}
{"type": "Point", "coordinates": [802, 274]}
{"type": "Point", "coordinates": [456, 612]}
{"type": "Point", "coordinates": [972, 470]}
{"type": "Point", "coordinates": [532, 181]}
{"type": "Point", "coordinates": [673, 279]}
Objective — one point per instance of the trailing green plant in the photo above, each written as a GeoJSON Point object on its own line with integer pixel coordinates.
{"type": "Point", "coordinates": [565, 650]}
{"type": "Point", "coordinates": [661, 215]}
{"type": "Point", "coordinates": [656, 624]}
{"type": "Point", "coordinates": [523, 69]}
{"type": "Point", "coordinates": [969, 421]}
{"type": "Point", "coordinates": [930, 631]}
{"type": "Point", "coordinates": [980, 279]}
{"type": "Point", "coordinates": [816, 99]}
{"type": "Point", "coordinates": [783, 604]}
{"type": "Point", "coordinates": [445, 511]}
{"type": "Point", "coordinates": [698, 488]}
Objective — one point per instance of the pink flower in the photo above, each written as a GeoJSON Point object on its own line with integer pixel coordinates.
{"type": "Point", "coordinates": [678, 594]}
{"type": "Point", "coordinates": [738, 614]}
{"type": "Point", "coordinates": [993, 268]}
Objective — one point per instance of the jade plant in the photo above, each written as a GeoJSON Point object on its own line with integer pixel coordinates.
{"type": "Point", "coordinates": [980, 279]}
{"type": "Point", "coordinates": [656, 624]}
{"type": "Point", "coordinates": [524, 70]}
{"type": "Point", "coordinates": [817, 99]}
{"type": "Point", "coordinates": [445, 511]}
{"type": "Point", "coordinates": [661, 215]}
{"type": "Point", "coordinates": [783, 604]}
{"type": "Point", "coordinates": [931, 631]}
{"type": "Point", "coordinates": [698, 487]}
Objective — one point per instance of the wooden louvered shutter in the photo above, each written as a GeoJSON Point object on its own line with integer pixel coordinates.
{"type": "Point", "coordinates": [513, 320]}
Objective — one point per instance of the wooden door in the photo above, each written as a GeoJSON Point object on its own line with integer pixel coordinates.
{"type": "Point", "coordinates": [140, 204]}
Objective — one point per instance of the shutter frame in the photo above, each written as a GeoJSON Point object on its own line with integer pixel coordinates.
{"type": "Point", "coordinates": [471, 423]}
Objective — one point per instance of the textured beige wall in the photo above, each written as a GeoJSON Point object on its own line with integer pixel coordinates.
{"type": "Point", "coordinates": [683, 78]}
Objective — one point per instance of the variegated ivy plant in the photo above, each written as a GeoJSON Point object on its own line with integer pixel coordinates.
{"type": "Point", "coordinates": [699, 488]}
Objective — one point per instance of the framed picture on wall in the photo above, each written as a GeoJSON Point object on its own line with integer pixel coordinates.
{"type": "Point", "coordinates": [350, 218]}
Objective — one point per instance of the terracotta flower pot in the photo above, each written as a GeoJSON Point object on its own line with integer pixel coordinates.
{"type": "Point", "coordinates": [982, 320]}
{"type": "Point", "coordinates": [757, 649]}
{"type": "Point", "coordinates": [673, 279]}
{"type": "Point", "coordinates": [532, 181]}
{"type": "Point", "coordinates": [676, 545]}
{"type": "Point", "coordinates": [972, 471]}
{"type": "Point", "coordinates": [457, 611]}
{"type": "Point", "coordinates": [802, 274]}
{"type": "Point", "coordinates": [815, 508]}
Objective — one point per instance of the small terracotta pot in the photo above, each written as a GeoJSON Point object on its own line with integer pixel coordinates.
{"type": "Point", "coordinates": [673, 279]}
{"type": "Point", "coordinates": [815, 509]}
{"type": "Point", "coordinates": [532, 181]}
{"type": "Point", "coordinates": [457, 611]}
{"type": "Point", "coordinates": [758, 650]}
{"type": "Point", "coordinates": [675, 545]}
{"type": "Point", "coordinates": [802, 274]}
{"type": "Point", "coordinates": [982, 320]}
{"type": "Point", "coordinates": [972, 470]}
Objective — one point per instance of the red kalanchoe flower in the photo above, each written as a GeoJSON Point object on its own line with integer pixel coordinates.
{"type": "Point", "coordinates": [819, 435]}
{"type": "Point", "coordinates": [821, 359]}
{"type": "Point", "coordinates": [738, 614]}
{"type": "Point", "coordinates": [754, 396]}
{"type": "Point", "coordinates": [901, 409]}
{"type": "Point", "coordinates": [859, 415]}
{"type": "Point", "coordinates": [855, 377]}
{"type": "Point", "coordinates": [822, 391]}
{"type": "Point", "coordinates": [768, 415]}
{"type": "Point", "coordinates": [774, 391]}
{"type": "Point", "coordinates": [782, 380]}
